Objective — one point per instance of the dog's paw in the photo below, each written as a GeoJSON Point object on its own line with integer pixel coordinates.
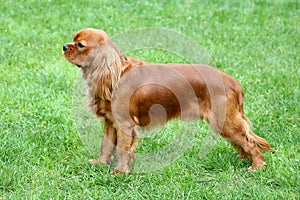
{"type": "Point", "coordinates": [95, 161]}
{"type": "Point", "coordinates": [117, 171]}
{"type": "Point", "coordinates": [254, 168]}
{"type": "Point", "coordinates": [102, 160]}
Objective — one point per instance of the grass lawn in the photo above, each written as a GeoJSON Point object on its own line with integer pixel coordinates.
{"type": "Point", "coordinates": [41, 153]}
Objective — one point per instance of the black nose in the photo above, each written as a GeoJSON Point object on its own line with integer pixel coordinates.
{"type": "Point", "coordinates": [66, 47]}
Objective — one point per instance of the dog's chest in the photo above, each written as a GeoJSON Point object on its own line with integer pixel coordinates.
{"type": "Point", "coordinates": [100, 107]}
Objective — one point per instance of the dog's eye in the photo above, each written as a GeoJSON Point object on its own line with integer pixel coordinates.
{"type": "Point", "coordinates": [80, 45]}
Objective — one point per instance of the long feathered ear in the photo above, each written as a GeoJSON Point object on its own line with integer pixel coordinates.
{"type": "Point", "coordinates": [108, 65]}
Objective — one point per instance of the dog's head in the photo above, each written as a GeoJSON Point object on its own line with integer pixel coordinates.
{"type": "Point", "coordinates": [83, 51]}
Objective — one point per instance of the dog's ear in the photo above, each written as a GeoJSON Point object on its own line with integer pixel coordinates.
{"type": "Point", "coordinates": [102, 36]}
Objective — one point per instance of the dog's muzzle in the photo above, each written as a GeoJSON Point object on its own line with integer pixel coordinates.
{"type": "Point", "coordinates": [66, 47]}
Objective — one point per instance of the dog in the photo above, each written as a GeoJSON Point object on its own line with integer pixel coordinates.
{"type": "Point", "coordinates": [127, 93]}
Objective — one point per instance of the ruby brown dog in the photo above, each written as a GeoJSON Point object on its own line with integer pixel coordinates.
{"type": "Point", "coordinates": [127, 93]}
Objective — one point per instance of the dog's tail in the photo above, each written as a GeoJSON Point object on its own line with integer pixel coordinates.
{"type": "Point", "coordinates": [260, 142]}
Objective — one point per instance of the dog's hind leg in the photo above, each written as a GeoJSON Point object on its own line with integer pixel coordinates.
{"type": "Point", "coordinates": [243, 154]}
{"type": "Point", "coordinates": [237, 130]}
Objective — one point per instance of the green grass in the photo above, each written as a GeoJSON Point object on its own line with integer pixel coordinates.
{"type": "Point", "coordinates": [41, 154]}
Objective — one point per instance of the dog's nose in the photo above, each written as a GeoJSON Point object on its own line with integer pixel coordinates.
{"type": "Point", "coordinates": [66, 47]}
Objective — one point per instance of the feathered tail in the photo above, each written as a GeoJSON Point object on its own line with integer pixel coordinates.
{"type": "Point", "coordinates": [260, 142]}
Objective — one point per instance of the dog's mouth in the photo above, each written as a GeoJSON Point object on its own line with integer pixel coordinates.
{"type": "Point", "coordinates": [73, 62]}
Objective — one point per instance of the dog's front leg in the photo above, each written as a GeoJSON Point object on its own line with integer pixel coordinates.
{"type": "Point", "coordinates": [108, 145]}
{"type": "Point", "coordinates": [125, 151]}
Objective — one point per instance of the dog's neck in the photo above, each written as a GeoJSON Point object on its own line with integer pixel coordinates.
{"type": "Point", "coordinates": [102, 78]}
{"type": "Point", "coordinates": [107, 65]}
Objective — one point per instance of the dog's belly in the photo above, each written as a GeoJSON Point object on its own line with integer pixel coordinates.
{"type": "Point", "coordinates": [153, 105]}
